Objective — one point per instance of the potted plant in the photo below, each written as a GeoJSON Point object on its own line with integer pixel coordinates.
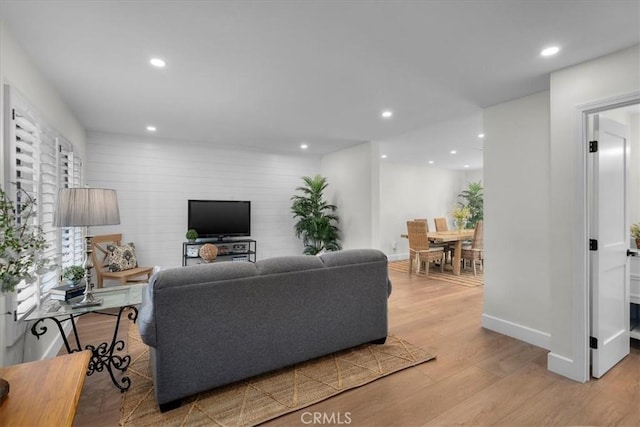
{"type": "Point", "coordinates": [191, 235]}
{"type": "Point", "coordinates": [21, 248]}
{"type": "Point", "coordinates": [460, 215]}
{"type": "Point", "coordinates": [317, 222]}
{"type": "Point", "coordinates": [21, 243]}
{"type": "Point", "coordinates": [474, 200]}
{"type": "Point", "coordinates": [635, 233]}
{"type": "Point", "coordinates": [73, 274]}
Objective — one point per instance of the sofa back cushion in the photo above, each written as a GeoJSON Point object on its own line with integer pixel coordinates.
{"type": "Point", "coordinates": [351, 256]}
{"type": "Point", "coordinates": [225, 285]}
{"type": "Point", "coordinates": [202, 273]}
{"type": "Point", "coordinates": [288, 264]}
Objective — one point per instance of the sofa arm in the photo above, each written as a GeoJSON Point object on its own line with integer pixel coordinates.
{"type": "Point", "coordinates": [146, 316]}
{"type": "Point", "coordinates": [354, 256]}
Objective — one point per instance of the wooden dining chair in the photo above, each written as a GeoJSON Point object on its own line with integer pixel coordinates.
{"type": "Point", "coordinates": [475, 252]}
{"type": "Point", "coordinates": [419, 249]}
{"type": "Point", "coordinates": [441, 225]}
{"type": "Point", "coordinates": [432, 245]}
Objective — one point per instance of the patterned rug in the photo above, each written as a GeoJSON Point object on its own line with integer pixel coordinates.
{"type": "Point", "coordinates": [466, 277]}
{"type": "Point", "coordinates": [267, 396]}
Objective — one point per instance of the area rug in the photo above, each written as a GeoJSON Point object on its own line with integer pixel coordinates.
{"type": "Point", "coordinates": [267, 396]}
{"type": "Point", "coordinates": [466, 277]}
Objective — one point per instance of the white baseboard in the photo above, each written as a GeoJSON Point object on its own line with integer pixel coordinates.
{"type": "Point", "coordinates": [514, 330]}
{"type": "Point", "coordinates": [564, 366]}
{"type": "Point", "coordinates": [397, 257]}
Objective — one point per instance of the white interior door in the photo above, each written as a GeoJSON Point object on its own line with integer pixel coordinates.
{"type": "Point", "coordinates": [609, 263]}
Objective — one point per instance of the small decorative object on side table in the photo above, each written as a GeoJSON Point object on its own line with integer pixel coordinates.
{"type": "Point", "coordinates": [73, 274]}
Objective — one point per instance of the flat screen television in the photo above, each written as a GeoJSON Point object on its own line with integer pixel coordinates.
{"type": "Point", "coordinates": [219, 218]}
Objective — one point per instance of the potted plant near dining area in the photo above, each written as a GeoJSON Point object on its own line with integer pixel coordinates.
{"type": "Point", "coordinates": [474, 200]}
{"type": "Point", "coordinates": [635, 233]}
{"type": "Point", "coordinates": [460, 215]}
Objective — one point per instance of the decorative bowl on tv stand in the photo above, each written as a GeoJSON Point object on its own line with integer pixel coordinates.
{"type": "Point", "coordinates": [208, 252]}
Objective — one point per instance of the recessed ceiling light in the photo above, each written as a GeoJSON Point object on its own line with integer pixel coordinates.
{"type": "Point", "coordinates": [151, 128]}
{"type": "Point", "coordinates": [453, 151]}
{"type": "Point", "coordinates": [304, 146]}
{"type": "Point", "coordinates": [386, 114]}
{"type": "Point", "coordinates": [431, 162]}
{"type": "Point", "coordinates": [157, 62]}
{"type": "Point", "coordinates": [466, 166]}
{"type": "Point", "coordinates": [481, 135]}
{"type": "Point", "coordinates": [549, 51]}
{"type": "Point", "coordinates": [384, 156]}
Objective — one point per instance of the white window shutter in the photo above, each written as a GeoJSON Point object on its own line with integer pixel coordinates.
{"type": "Point", "coordinates": [40, 162]}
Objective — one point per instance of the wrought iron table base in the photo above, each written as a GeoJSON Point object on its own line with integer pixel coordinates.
{"type": "Point", "coordinates": [102, 356]}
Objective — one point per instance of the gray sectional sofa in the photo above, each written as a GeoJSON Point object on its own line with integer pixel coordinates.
{"type": "Point", "coordinates": [214, 324]}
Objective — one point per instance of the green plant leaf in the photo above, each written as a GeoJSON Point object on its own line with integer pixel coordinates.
{"type": "Point", "coordinates": [317, 221]}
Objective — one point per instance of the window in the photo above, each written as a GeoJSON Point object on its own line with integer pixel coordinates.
{"type": "Point", "coordinates": [40, 162]}
{"type": "Point", "coordinates": [72, 243]}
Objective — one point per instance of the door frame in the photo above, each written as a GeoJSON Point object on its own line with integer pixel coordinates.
{"type": "Point", "coordinates": [581, 316]}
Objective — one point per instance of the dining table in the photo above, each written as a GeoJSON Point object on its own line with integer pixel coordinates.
{"type": "Point", "coordinates": [450, 236]}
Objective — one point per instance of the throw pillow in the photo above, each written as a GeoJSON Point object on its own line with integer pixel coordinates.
{"type": "Point", "coordinates": [122, 257]}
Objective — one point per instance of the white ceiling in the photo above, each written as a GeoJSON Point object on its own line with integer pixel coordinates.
{"type": "Point", "coordinates": [273, 74]}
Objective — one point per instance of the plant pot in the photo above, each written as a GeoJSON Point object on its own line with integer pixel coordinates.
{"type": "Point", "coordinates": [638, 243]}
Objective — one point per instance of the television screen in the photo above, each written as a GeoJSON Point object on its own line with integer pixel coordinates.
{"type": "Point", "coordinates": [219, 218]}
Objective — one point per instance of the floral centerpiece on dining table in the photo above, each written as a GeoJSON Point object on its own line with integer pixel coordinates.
{"type": "Point", "coordinates": [460, 216]}
{"type": "Point", "coordinates": [21, 242]}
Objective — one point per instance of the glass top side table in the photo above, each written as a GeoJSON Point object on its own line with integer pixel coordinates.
{"type": "Point", "coordinates": [123, 298]}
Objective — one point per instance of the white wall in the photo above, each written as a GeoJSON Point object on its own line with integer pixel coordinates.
{"type": "Point", "coordinates": [154, 179]}
{"type": "Point", "coordinates": [18, 70]}
{"type": "Point", "coordinates": [408, 192]}
{"type": "Point", "coordinates": [516, 180]}
{"type": "Point", "coordinates": [634, 168]}
{"type": "Point", "coordinates": [475, 175]}
{"type": "Point", "coordinates": [612, 75]}
{"type": "Point", "coordinates": [349, 173]}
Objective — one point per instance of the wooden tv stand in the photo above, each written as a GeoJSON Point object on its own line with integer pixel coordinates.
{"type": "Point", "coordinates": [228, 250]}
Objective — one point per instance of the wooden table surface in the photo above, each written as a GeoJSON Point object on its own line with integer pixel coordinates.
{"type": "Point", "coordinates": [45, 392]}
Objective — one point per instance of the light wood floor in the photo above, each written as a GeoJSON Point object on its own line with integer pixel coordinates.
{"type": "Point", "coordinates": [479, 377]}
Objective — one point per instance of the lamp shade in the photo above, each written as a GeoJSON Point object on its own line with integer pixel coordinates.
{"type": "Point", "coordinates": [83, 207]}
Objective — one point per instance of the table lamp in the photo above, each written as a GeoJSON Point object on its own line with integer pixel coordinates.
{"type": "Point", "coordinates": [85, 207]}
